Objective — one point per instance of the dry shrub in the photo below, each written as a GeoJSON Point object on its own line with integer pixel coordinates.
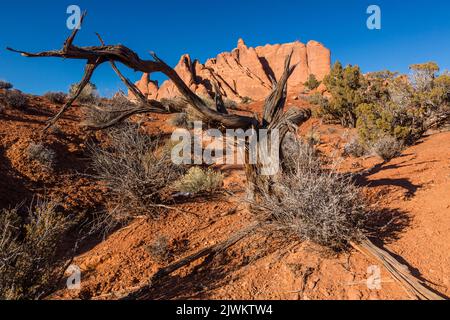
{"type": "Point", "coordinates": [5, 85]}
{"type": "Point", "coordinates": [137, 169]}
{"type": "Point", "coordinates": [176, 104]}
{"type": "Point", "coordinates": [198, 180]}
{"type": "Point", "coordinates": [56, 97]}
{"type": "Point", "coordinates": [42, 154]}
{"type": "Point", "coordinates": [101, 113]}
{"type": "Point", "coordinates": [315, 99]}
{"type": "Point", "coordinates": [29, 268]}
{"type": "Point", "coordinates": [181, 120]}
{"type": "Point", "coordinates": [354, 148]}
{"type": "Point", "coordinates": [313, 137]}
{"type": "Point", "coordinates": [314, 204]}
{"type": "Point", "coordinates": [230, 104]}
{"type": "Point", "coordinates": [387, 147]}
{"type": "Point", "coordinates": [246, 100]}
{"type": "Point", "coordinates": [15, 99]}
{"type": "Point", "coordinates": [159, 250]}
{"type": "Point", "coordinates": [89, 94]}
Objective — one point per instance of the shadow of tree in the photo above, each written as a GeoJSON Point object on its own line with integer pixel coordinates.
{"type": "Point", "coordinates": [14, 187]}
{"type": "Point", "coordinates": [386, 225]}
{"type": "Point", "coordinates": [213, 272]}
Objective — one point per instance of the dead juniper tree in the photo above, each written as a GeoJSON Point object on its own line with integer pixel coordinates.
{"type": "Point", "coordinates": [274, 119]}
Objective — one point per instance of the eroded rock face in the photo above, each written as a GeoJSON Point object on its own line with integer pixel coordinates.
{"type": "Point", "coordinates": [244, 72]}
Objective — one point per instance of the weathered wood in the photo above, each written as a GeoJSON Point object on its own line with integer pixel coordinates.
{"type": "Point", "coordinates": [413, 286]}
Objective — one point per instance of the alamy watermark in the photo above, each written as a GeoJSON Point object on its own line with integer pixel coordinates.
{"type": "Point", "coordinates": [374, 278]}
{"type": "Point", "coordinates": [74, 19]}
{"type": "Point", "coordinates": [74, 280]}
{"type": "Point", "coordinates": [374, 20]}
{"type": "Point", "coordinates": [236, 147]}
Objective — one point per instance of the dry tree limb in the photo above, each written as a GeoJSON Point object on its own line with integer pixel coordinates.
{"type": "Point", "coordinates": [276, 101]}
{"type": "Point", "coordinates": [89, 71]}
{"type": "Point", "coordinates": [413, 286]}
{"type": "Point", "coordinates": [97, 55]}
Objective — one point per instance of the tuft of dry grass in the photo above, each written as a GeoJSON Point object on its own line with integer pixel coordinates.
{"type": "Point", "coordinates": [314, 204]}
{"type": "Point", "coordinates": [198, 180]}
{"type": "Point", "coordinates": [137, 169]}
{"type": "Point", "coordinates": [15, 99]}
{"type": "Point", "coordinates": [56, 97]}
{"type": "Point", "coordinates": [5, 85]}
{"type": "Point", "coordinates": [29, 268]}
{"type": "Point", "coordinates": [159, 250]}
{"type": "Point", "coordinates": [387, 147]}
{"type": "Point", "coordinates": [42, 154]}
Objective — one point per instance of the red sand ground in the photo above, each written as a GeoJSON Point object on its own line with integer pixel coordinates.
{"type": "Point", "coordinates": [413, 189]}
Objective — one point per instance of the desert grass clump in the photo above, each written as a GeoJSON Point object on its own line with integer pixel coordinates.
{"type": "Point", "coordinates": [159, 250]}
{"type": "Point", "coordinates": [181, 120]}
{"type": "Point", "coordinates": [56, 97]}
{"type": "Point", "coordinates": [314, 204]}
{"type": "Point", "coordinates": [15, 99]}
{"type": "Point", "coordinates": [313, 137]}
{"type": "Point", "coordinates": [316, 99]}
{"type": "Point", "coordinates": [246, 100]}
{"type": "Point", "coordinates": [137, 170]}
{"type": "Point", "coordinates": [101, 113]}
{"type": "Point", "coordinates": [88, 95]}
{"type": "Point", "coordinates": [354, 148]}
{"type": "Point", "coordinates": [387, 147]}
{"type": "Point", "coordinates": [29, 267]}
{"type": "Point", "coordinates": [230, 104]}
{"type": "Point", "coordinates": [198, 180]}
{"type": "Point", "coordinates": [42, 154]}
{"type": "Point", "coordinates": [5, 85]}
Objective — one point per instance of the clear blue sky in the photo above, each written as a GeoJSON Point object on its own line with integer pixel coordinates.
{"type": "Point", "coordinates": [412, 31]}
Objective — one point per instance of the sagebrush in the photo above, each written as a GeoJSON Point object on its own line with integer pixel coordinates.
{"type": "Point", "coordinates": [314, 204]}
{"type": "Point", "coordinates": [100, 113]}
{"type": "Point", "coordinates": [42, 154]}
{"type": "Point", "coordinates": [15, 99]}
{"type": "Point", "coordinates": [56, 97]}
{"type": "Point", "coordinates": [198, 180]}
{"type": "Point", "coordinates": [88, 95]}
{"type": "Point", "coordinates": [137, 169]}
{"type": "Point", "coordinates": [5, 85]}
{"type": "Point", "coordinates": [29, 266]}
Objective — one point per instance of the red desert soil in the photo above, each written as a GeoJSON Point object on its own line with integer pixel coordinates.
{"type": "Point", "coordinates": [413, 190]}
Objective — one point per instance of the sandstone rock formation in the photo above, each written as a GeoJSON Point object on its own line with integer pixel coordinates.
{"type": "Point", "coordinates": [244, 72]}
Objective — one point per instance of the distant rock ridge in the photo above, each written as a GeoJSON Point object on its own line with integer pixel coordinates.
{"type": "Point", "coordinates": [244, 72]}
